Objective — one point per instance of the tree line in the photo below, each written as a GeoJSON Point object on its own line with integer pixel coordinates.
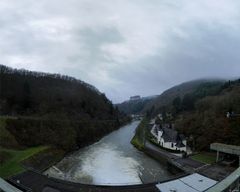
{"type": "Point", "coordinates": [47, 105]}
{"type": "Point", "coordinates": [201, 113]}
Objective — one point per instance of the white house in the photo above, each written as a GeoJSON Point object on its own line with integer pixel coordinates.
{"type": "Point", "coordinates": [169, 138]}
{"type": "Point", "coordinates": [154, 131]}
{"type": "Point", "coordinates": [152, 121]}
{"type": "Point", "coordinates": [160, 116]}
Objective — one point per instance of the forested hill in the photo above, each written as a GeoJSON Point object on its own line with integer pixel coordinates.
{"type": "Point", "coordinates": [182, 91]}
{"type": "Point", "coordinates": [200, 111]}
{"type": "Point", "coordinates": [40, 94]}
{"type": "Point", "coordinates": [164, 100]}
{"type": "Point", "coordinates": [40, 108]}
{"type": "Point", "coordinates": [203, 117]}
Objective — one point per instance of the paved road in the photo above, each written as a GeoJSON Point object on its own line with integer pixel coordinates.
{"type": "Point", "coordinates": [161, 152]}
{"type": "Point", "coordinates": [188, 165]}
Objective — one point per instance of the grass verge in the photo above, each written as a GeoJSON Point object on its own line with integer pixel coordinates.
{"type": "Point", "coordinates": [140, 133]}
{"type": "Point", "coordinates": [11, 164]}
{"type": "Point", "coordinates": [204, 157]}
{"type": "Point", "coordinates": [44, 159]}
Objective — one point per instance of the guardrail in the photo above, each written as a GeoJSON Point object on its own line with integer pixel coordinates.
{"type": "Point", "coordinates": [229, 184]}
{"type": "Point", "coordinates": [6, 187]}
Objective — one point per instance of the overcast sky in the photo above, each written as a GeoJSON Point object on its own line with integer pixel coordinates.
{"type": "Point", "coordinates": [123, 47]}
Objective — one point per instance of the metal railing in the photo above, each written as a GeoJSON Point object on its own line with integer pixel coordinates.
{"type": "Point", "coordinates": [6, 187]}
{"type": "Point", "coordinates": [229, 184]}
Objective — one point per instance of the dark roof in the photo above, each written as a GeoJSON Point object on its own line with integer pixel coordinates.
{"type": "Point", "coordinates": [182, 137]}
{"type": "Point", "coordinates": [179, 144]}
{"type": "Point", "coordinates": [171, 135]}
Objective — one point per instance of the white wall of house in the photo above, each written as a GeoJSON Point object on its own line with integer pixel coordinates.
{"type": "Point", "coordinates": [172, 146]}
{"type": "Point", "coordinates": [182, 148]}
{"type": "Point", "coordinates": [159, 136]}
{"type": "Point", "coordinates": [153, 132]}
{"type": "Point", "coordinates": [168, 145]}
{"type": "Point", "coordinates": [152, 122]}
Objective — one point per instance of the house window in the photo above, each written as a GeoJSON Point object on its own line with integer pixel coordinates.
{"type": "Point", "coordinates": [172, 145]}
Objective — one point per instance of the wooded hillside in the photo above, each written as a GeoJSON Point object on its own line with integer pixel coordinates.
{"type": "Point", "coordinates": [164, 101]}
{"type": "Point", "coordinates": [206, 121]}
{"type": "Point", "coordinates": [201, 112]}
{"type": "Point", "coordinates": [54, 109]}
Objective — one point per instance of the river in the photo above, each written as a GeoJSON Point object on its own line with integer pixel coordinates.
{"type": "Point", "coordinates": [111, 161]}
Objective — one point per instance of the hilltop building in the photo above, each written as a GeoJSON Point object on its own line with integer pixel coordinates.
{"type": "Point", "coordinates": [136, 97]}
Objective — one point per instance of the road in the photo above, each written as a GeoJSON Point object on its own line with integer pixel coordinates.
{"type": "Point", "coordinates": [188, 165]}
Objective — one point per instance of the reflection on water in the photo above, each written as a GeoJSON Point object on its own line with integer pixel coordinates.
{"type": "Point", "coordinates": [112, 160]}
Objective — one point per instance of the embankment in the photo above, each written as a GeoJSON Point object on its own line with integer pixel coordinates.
{"type": "Point", "coordinates": [139, 137]}
{"type": "Point", "coordinates": [142, 142]}
{"type": "Point", "coordinates": [63, 134]}
{"type": "Point", "coordinates": [18, 134]}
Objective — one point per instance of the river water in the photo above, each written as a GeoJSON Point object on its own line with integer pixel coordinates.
{"type": "Point", "coordinates": [111, 161]}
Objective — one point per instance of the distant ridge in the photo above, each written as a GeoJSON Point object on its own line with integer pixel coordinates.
{"type": "Point", "coordinates": [179, 90]}
{"type": "Point", "coordinates": [135, 106]}
{"type": "Point", "coordinates": [158, 101]}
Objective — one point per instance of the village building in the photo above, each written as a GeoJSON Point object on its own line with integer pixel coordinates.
{"type": "Point", "coordinates": [167, 137]}
{"type": "Point", "coordinates": [136, 97]}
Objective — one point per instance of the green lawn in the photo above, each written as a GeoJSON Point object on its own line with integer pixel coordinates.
{"type": "Point", "coordinates": [205, 157]}
{"type": "Point", "coordinates": [139, 137]}
{"type": "Point", "coordinates": [12, 165]}
{"type": "Point", "coordinates": [137, 143]}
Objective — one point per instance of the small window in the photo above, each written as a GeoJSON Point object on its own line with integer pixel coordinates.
{"type": "Point", "coordinates": [172, 145]}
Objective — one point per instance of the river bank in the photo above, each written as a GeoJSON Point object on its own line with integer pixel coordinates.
{"type": "Point", "coordinates": [111, 161]}
{"type": "Point", "coordinates": [201, 163]}
{"type": "Point", "coordinates": [18, 135]}
{"type": "Point", "coordinates": [176, 164]}
{"type": "Point", "coordinates": [140, 141]}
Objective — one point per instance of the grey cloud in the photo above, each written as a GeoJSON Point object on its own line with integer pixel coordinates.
{"type": "Point", "coordinates": [91, 40]}
{"type": "Point", "coordinates": [206, 53]}
{"type": "Point", "coordinates": [123, 47]}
